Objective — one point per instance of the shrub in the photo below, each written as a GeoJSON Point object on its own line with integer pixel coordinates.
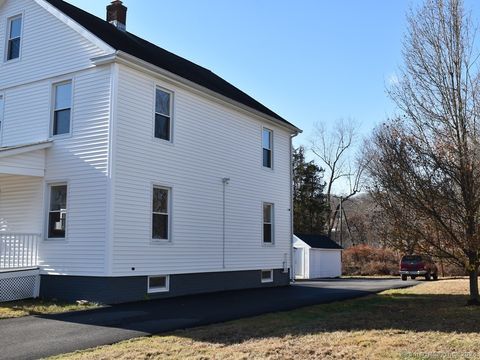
{"type": "Point", "coordinates": [368, 260]}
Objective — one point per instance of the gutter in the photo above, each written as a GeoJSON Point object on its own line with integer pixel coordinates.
{"type": "Point", "coordinates": [124, 58]}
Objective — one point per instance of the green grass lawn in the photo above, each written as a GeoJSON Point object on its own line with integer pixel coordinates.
{"type": "Point", "coordinates": [20, 308]}
{"type": "Point", "coordinates": [429, 321]}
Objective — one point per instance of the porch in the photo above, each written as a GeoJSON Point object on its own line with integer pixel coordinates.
{"type": "Point", "coordinates": [18, 251]}
{"type": "Point", "coordinates": [22, 169]}
{"type": "Point", "coordinates": [19, 272]}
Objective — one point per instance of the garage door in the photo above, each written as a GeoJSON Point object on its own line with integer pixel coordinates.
{"type": "Point", "coordinates": [325, 263]}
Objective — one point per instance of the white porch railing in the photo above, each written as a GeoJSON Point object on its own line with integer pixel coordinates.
{"type": "Point", "coordinates": [18, 250]}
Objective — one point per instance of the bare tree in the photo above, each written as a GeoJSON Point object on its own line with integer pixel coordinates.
{"type": "Point", "coordinates": [427, 160]}
{"type": "Point", "coordinates": [334, 148]}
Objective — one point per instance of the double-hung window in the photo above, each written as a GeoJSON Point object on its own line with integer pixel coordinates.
{"type": "Point", "coordinates": [163, 114]}
{"type": "Point", "coordinates": [268, 223]}
{"type": "Point", "coordinates": [62, 108]}
{"type": "Point", "coordinates": [161, 213]}
{"type": "Point", "coordinates": [267, 145]}
{"type": "Point", "coordinates": [57, 211]}
{"type": "Point", "coordinates": [14, 37]}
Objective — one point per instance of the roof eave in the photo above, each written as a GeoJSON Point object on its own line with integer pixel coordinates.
{"type": "Point", "coordinates": [127, 59]}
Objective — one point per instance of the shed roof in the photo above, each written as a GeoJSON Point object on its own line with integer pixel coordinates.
{"type": "Point", "coordinates": [319, 241]}
{"type": "Point", "coordinates": [151, 53]}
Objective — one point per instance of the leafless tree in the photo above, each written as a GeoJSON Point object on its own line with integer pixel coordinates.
{"type": "Point", "coordinates": [426, 161]}
{"type": "Point", "coordinates": [334, 148]}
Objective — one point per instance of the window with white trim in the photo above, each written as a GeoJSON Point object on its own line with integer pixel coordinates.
{"type": "Point", "coordinates": [266, 276]}
{"type": "Point", "coordinates": [161, 213]}
{"type": "Point", "coordinates": [62, 108]}
{"type": "Point", "coordinates": [163, 114]}
{"type": "Point", "coordinates": [14, 37]}
{"type": "Point", "coordinates": [267, 145]}
{"type": "Point", "coordinates": [268, 223]}
{"type": "Point", "coordinates": [57, 211]}
{"type": "Point", "coordinates": [159, 283]}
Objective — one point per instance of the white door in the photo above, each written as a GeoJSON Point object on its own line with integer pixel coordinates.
{"type": "Point", "coordinates": [325, 263]}
{"type": "Point", "coordinates": [1, 118]}
{"type": "Point", "coordinates": [299, 263]}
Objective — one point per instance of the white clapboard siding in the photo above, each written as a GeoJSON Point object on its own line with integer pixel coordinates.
{"type": "Point", "coordinates": [211, 141]}
{"type": "Point", "coordinates": [34, 160]}
{"type": "Point", "coordinates": [21, 199]}
{"type": "Point", "coordinates": [49, 47]}
{"type": "Point", "coordinates": [82, 161]}
{"type": "Point", "coordinates": [26, 114]}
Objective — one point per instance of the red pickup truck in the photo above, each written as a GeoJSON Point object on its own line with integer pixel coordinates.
{"type": "Point", "coordinates": [418, 265]}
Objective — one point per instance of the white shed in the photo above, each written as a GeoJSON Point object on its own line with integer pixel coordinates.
{"type": "Point", "coordinates": [316, 256]}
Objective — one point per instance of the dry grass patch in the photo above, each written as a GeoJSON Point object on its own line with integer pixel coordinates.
{"type": "Point", "coordinates": [428, 321]}
{"type": "Point", "coordinates": [21, 308]}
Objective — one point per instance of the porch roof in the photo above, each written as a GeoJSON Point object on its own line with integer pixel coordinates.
{"type": "Point", "coordinates": [25, 159]}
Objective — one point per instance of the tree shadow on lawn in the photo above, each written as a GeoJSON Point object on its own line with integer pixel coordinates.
{"type": "Point", "coordinates": [398, 312]}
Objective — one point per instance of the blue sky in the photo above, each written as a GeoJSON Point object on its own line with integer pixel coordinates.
{"type": "Point", "coordinates": [308, 60]}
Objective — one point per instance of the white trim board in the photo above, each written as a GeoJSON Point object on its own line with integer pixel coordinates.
{"type": "Point", "coordinates": [22, 149]}
{"type": "Point", "coordinates": [16, 170]}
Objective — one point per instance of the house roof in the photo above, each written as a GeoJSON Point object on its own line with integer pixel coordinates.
{"type": "Point", "coordinates": [151, 53]}
{"type": "Point", "coordinates": [318, 241]}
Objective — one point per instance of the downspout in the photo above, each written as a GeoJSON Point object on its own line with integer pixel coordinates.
{"type": "Point", "coordinates": [225, 182]}
{"type": "Point", "coordinates": [292, 261]}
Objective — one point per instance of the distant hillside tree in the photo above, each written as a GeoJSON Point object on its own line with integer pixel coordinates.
{"type": "Point", "coordinates": [309, 205]}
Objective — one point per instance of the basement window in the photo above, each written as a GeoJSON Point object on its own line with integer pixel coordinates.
{"type": "Point", "coordinates": [267, 276]}
{"type": "Point", "coordinates": [158, 284]}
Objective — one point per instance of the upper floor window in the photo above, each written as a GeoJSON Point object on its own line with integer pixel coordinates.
{"type": "Point", "coordinates": [14, 37]}
{"type": "Point", "coordinates": [161, 213]}
{"type": "Point", "coordinates": [62, 108]}
{"type": "Point", "coordinates": [57, 211]}
{"type": "Point", "coordinates": [267, 144]}
{"type": "Point", "coordinates": [163, 114]}
{"type": "Point", "coordinates": [267, 223]}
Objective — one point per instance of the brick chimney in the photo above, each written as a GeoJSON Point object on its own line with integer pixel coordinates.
{"type": "Point", "coordinates": [117, 15]}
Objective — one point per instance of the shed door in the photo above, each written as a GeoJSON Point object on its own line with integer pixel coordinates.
{"type": "Point", "coordinates": [299, 263]}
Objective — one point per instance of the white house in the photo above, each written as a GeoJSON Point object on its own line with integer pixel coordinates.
{"type": "Point", "coordinates": [134, 172]}
{"type": "Point", "coordinates": [316, 256]}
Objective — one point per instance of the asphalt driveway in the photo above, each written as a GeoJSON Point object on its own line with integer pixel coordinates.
{"type": "Point", "coordinates": [34, 337]}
